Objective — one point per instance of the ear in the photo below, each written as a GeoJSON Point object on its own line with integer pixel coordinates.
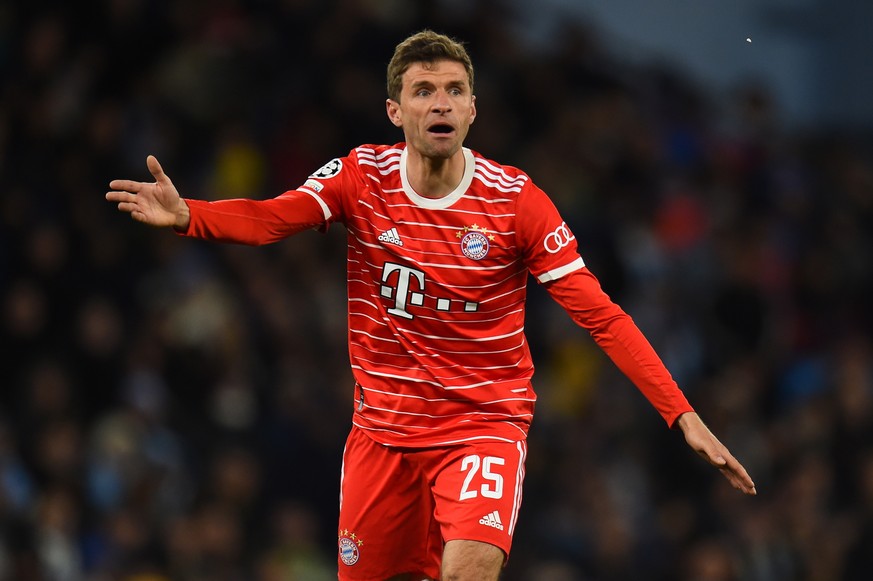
{"type": "Point", "coordinates": [473, 109]}
{"type": "Point", "coordinates": [392, 107]}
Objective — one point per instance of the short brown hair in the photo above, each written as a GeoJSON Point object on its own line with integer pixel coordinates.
{"type": "Point", "coordinates": [426, 46]}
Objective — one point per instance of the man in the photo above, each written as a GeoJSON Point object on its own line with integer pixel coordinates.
{"type": "Point", "coordinates": [441, 242]}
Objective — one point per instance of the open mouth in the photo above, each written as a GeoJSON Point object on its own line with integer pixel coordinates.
{"type": "Point", "coordinates": [441, 129]}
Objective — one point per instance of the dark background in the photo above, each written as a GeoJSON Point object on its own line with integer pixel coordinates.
{"type": "Point", "coordinates": [176, 410]}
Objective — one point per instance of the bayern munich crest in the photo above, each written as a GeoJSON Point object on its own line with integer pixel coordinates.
{"type": "Point", "coordinates": [349, 548]}
{"type": "Point", "coordinates": [475, 241]}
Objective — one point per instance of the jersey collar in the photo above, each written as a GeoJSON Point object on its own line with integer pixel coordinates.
{"type": "Point", "coordinates": [445, 201]}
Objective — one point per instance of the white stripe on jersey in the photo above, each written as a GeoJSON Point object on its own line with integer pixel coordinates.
{"type": "Point", "coordinates": [387, 160]}
{"type": "Point", "coordinates": [462, 339]}
{"type": "Point", "coordinates": [519, 478]}
{"type": "Point", "coordinates": [440, 399]}
{"type": "Point", "coordinates": [473, 267]}
{"type": "Point", "coordinates": [502, 315]}
{"type": "Point", "coordinates": [502, 309]}
{"type": "Point", "coordinates": [499, 172]}
{"type": "Point", "coordinates": [474, 438]}
{"type": "Point", "coordinates": [385, 339]}
{"type": "Point", "coordinates": [395, 376]}
{"type": "Point", "coordinates": [365, 301]}
{"type": "Point", "coordinates": [376, 268]}
{"type": "Point", "coordinates": [473, 321]}
{"type": "Point", "coordinates": [441, 378]}
{"type": "Point", "coordinates": [489, 200]}
{"type": "Point", "coordinates": [424, 415]}
{"type": "Point", "coordinates": [444, 443]}
{"type": "Point", "coordinates": [500, 177]}
{"type": "Point", "coordinates": [389, 153]}
{"type": "Point", "coordinates": [384, 423]}
{"type": "Point", "coordinates": [456, 211]}
{"type": "Point", "coordinates": [364, 243]}
{"type": "Point", "coordinates": [497, 186]}
{"type": "Point", "coordinates": [452, 442]}
{"type": "Point", "coordinates": [384, 170]}
{"type": "Point", "coordinates": [370, 153]}
{"type": "Point", "coordinates": [471, 367]}
{"type": "Point", "coordinates": [427, 382]}
{"type": "Point", "coordinates": [449, 351]}
{"type": "Point", "coordinates": [372, 209]}
{"type": "Point", "coordinates": [500, 296]}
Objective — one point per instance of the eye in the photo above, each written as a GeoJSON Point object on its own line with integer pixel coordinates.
{"type": "Point", "coordinates": [422, 93]}
{"type": "Point", "coordinates": [455, 92]}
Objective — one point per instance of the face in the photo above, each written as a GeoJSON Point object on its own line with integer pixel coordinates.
{"type": "Point", "coordinates": [436, 108]}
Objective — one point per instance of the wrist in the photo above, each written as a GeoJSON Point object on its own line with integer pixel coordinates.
{"type": "Point", "coordinates": [183, 216]}
{"type": "Point", "coordinates": [686, 419]}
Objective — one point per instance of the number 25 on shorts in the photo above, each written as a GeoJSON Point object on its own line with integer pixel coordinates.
{"type": "Point", "coordinates": [493, 485]}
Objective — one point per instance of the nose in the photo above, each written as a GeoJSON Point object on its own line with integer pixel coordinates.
{"type": "Point", "coordinates": [442, 103]}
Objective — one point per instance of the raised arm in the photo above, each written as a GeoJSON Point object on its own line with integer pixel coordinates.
{"type": "Point", "coordinates": [156, 204]}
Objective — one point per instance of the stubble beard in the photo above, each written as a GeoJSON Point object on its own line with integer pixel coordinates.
{"type": "Point", "coordinates": [441, 150]}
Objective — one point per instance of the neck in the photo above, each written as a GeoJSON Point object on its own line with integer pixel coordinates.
{"type": "Point", "coordinates": [434, 177]}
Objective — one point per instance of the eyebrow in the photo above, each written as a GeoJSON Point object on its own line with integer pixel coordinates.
{"type": "Point", "coordinates": [461, 83]}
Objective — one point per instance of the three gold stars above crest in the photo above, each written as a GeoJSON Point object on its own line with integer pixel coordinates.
{"type": "Point", "coordinates": [474, 228]}
{"type": "Point", "coordinates": [352, 536]}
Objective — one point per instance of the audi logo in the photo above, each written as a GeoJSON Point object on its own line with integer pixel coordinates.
{"type": "Point", "coordinates": [558, 239]}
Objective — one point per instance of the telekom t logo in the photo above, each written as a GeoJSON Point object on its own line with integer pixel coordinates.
{"type": "Point", "coordinates": [407, 288]}
{"type": "Point", "coordinates": [405, 274]}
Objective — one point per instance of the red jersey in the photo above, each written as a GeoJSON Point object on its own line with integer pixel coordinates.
{"type": "Point", "coordinates": [436, 293]}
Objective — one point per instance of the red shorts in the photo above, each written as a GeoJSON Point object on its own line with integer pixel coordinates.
{"type": "Point", "coordinates": [399, 506]}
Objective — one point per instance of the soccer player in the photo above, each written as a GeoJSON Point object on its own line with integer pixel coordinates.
{"type": "Point", "coordinates": [441, 242]}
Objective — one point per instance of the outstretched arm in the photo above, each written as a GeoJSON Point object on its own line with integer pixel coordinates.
{"type": "Point", "coordinates": [612, 329]}
{"type": "Point", "coordinates": [156, 204]}
{"type": "Point", "coordinates": [240, 220]}
{"type": "Point", "coordinates": [704, 442]}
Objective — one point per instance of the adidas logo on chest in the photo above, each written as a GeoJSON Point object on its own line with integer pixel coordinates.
{"type": "Point", "coordinates": [391, 236]}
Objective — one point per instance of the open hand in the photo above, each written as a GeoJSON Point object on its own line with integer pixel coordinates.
{"type": "Point", "coordinates": [156, 204]}
{"type": "Point", "coordinates": [704, 442]}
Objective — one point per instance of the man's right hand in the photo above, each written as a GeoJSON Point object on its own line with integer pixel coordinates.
{"type": "Point", "coordinates": [156, 204]}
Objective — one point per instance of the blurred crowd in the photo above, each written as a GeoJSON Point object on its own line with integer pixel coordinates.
{"type": "Point", "coordinates": [174, 410]}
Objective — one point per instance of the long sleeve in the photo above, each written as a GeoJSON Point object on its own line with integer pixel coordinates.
{"type": "Point", "coordinates": [254, 222]}
{"type": "Point", "coordinates": [580, 294]}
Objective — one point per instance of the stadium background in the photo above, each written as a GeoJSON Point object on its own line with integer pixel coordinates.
{"type": "Point", "coordinates": [175, 410]}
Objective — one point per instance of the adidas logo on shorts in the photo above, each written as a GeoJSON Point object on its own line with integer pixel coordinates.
{"type": "Point", "coordinates": [492, 520]}
{"type": "Point", "coordinates": [391, 236]}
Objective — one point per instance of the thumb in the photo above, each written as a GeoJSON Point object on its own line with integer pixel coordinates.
{"type": "Point", "coordinates": [712, 457]}
{"type": "Point", "coordinates": [712, 454]}
{"type": "Point", "coordinates": [156, 170]}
